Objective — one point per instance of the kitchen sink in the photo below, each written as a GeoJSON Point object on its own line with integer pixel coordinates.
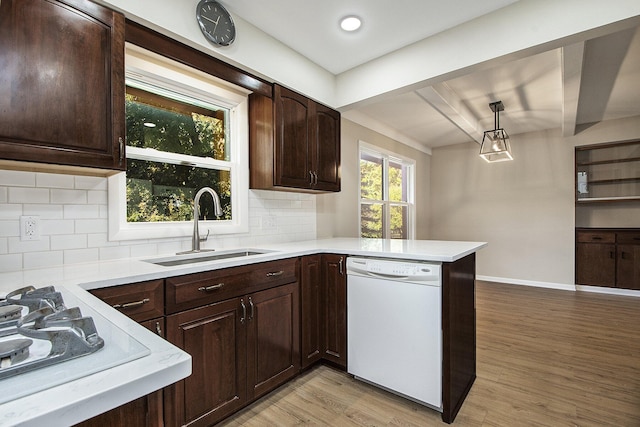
{"type": "Point", "coordinates": [194, 258]}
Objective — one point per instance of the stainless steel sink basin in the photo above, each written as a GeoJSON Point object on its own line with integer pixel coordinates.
{"type": "Point", "coordinates": [205, 257]}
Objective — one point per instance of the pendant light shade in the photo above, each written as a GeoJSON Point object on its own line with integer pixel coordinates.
{"type": "Point", "coordinates": [495, 143]}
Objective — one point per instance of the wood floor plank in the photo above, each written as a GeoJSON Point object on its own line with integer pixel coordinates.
{"type": "Point", "coordinates": [544, 358]}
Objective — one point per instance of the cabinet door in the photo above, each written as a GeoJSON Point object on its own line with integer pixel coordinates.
{"type": "Point", "coordinates": [215, 337]}
{"type": "Point", "coordinates": [293, 139]}
{"type": "Point", "coordinates": [628, 268]}
{"type": "Point", "coordinates": [334, 296]}
{"type": "Point", "coordinates": [311, 297]}
{"type": "Point", "coordinates": [62, 83]}
{"type": "Point", "coordinates": [273, 338]}
{"type": "Point", "coordinates": [596, 264]}
{"type": "Point", "coordinates": [326, 151]}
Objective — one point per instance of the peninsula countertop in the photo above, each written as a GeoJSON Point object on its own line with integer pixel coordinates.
{"type": "Point", "coordinates": [164, 364]}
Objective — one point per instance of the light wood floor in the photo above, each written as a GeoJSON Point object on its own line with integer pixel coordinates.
{"type": "Point", "coordinates": [545, 358]}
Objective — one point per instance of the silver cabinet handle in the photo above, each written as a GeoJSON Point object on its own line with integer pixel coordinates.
{"type": "Point", "coordinates": [131, 304]}
{"type": "Point", "coordinates": [315, 178]}
{"type": "Point", "coordinates": [244, 311]}
{"type": "Point", "coordinates": [158, 329]}
{"type": "Point", "coordinates": [310, 178]}
{"type": "Point", "coordinates": [341, 266]}
{"type": "Point", "coordinates": [211, 288]}
{"type": "Point", "coordinates": [251, 306]}
{"type": "Point", "coordinates": [121, 141]}
{"type": "Point", "coordinates": [275, 273]}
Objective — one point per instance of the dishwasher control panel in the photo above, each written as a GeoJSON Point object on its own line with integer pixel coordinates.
{"type": "Point", "coordinates": [400, 269]}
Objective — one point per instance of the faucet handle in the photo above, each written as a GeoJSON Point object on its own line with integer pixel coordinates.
{"type": "Point", "coordinates": [204, 239]}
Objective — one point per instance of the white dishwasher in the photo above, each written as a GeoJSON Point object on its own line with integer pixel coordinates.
{"type": "Point", "coordinates": [394, 333]}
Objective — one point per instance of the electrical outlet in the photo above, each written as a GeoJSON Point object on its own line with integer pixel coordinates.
{"type": "Point", "coordinates": [269, 222]}
{"type": "Point", "coordinates": [29, 228]}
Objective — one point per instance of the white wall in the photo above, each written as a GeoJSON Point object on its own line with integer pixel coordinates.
{"type": "Point", "coordinates": [337, 213]}
{"type": "Point", "coordinates": [74, 214]}
{"type": "Point", "coordinates": [524, 209]}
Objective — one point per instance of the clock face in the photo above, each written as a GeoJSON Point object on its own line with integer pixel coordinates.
{"type": "Point", "coordinates": [215, 22]}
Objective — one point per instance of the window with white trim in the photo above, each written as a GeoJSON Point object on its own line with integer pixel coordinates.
{"type": "Point", "coordinates": [185, 130]}
{"type": "Point", "coordinates": [387, 194]}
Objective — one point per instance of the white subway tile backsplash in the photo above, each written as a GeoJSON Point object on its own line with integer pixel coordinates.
{"type": "Point", "coordinates": [90, 183]}
{"type": "Point", "coordinates": [52, 227]}
{"type": "Point", "coordinates": [9, 228]}
{"type": "Point", "coordinates": [91, 226]}
{"type": "Point", "coordinates": [19, 246]}
{"type": "Point", "coordinates": [73, 256]}
{"type": "Point", "coordinates": [68, 241]}
{"type": "Point", "coordinates": [51, 180]}
{"type": "Point", "coordinates": [42, 259]}
{"type": "Point", "coordinates": [8, 211]}
{"type": "Point", "coordinates": [10, 262]}
{"type": "Point", "coordinates": [74, 215]}
{"type": "Point", "coordinates": [11, 178]}
{"type": "Point", "coordinates": [81, 211]}
{"type": "Point", "coordinates": [68, 196]}
{"type": "Point", "coordinates": [43, 211]}
{"type": "Point", "coordinates": [97, 197]}
{"type": "Point", "coordinates": [28, 195]}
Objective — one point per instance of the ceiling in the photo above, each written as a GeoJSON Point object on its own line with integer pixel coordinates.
{"type": "Point", "coordinates": [568, 87]}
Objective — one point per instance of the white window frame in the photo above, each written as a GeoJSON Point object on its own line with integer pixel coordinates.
{"type": "Point", "coordinates": [149, 68]}
{"type": "Point", "coordinates": [387, 155]}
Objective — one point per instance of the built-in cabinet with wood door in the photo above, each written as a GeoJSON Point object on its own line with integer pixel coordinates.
{"type": "Point", "coordinates": [244, 342]}
{"type": "Point", "coordinates": [294, 143]}
{"type": "Point", "coordinates": [608, 257]}
{"type": "Point", "coordinates": [144, 303]}
{"type": "Point", "coordinates": [62, 83]}
{"type": "Point", "coordinates": [324, 310]}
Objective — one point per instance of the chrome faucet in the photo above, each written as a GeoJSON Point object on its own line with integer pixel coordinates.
{"type": "Point", "coordinates": [195, 242]}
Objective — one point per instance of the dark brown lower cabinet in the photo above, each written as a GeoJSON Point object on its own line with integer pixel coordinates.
{"type": "Point", "coordinates": [324, 310]}
{"type": "Point", "coordinates": [608, 257]}
{"type": "Point", "coordinates": [334, 309]}
{"type": "Point", "coordinates": [241, 348]}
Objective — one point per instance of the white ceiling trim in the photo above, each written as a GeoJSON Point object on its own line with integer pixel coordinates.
{"type": "Point", "coordinates": [450, 105]}
{"type": "Point", "coordinates": [572, 64]}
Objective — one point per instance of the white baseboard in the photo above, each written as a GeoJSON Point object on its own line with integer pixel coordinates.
{"type": "Point", "coordinates": [610, 291]}
{"type": "Point", "coordinates": [549, 285]}
{"type": "Point", "coordinates": [562, 286]}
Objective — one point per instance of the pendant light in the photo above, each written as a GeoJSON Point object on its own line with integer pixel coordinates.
{"type": "Point", "coordinates": [495, 143]}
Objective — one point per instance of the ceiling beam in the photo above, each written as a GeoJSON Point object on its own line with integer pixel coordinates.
{"type": "Point", "coordinates": [572, 64]}
{"type": "Point", "coordinates": [450, 105]}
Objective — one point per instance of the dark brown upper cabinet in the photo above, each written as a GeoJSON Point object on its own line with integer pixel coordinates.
{"type": "Point", "coordinates": [62, 83]}
{"type": "Point", "coordinates": [294, 143]}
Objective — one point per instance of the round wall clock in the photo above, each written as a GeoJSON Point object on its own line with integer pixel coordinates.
{"type": "Point", "coordinates": [215, 22]}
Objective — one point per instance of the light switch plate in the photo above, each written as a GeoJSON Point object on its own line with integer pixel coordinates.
{"type": "Point", "coordinates": [30, 227]}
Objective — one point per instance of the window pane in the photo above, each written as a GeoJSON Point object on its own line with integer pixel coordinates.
{"type": "Point", "coordinates": [170, 125]}
{"type": "Point", "coordinates": [371, 220]}
{"type": "Point", "coordinates": [397, 181]}
{"type": "Point", "coordinates": [164, 192]}
{"type": "Point", "coordinates": [399, 221]}
{"type": "Point", "coordinates": [370, 177]}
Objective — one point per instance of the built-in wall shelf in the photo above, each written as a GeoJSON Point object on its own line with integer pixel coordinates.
{"type": "Point", "coordinates": [608, 172]}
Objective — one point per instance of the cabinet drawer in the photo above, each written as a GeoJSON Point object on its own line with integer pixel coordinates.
{"type": "Point", "coordinates": [630, 238]}
{"type": "Point", "coordinates": [140, 301]}
{"type": "Point", "coordinates": [596, 237]}
{"type": "Point", "coordinates": [194, 290]}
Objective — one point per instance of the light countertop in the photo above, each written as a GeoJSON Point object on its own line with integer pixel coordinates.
{"type": "Point", "coordinates": [164, 363]}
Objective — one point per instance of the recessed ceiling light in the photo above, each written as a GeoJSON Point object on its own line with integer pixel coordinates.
{"type": "Point", "coordinates": [350, 23]}
{"type": "Point", "coordinates": [149, 124]}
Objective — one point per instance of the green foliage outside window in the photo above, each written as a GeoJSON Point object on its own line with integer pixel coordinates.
{"type": "Point", "coordinates": [372, 184]}
{"type": "Point", "coordinates": [163, 191]}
